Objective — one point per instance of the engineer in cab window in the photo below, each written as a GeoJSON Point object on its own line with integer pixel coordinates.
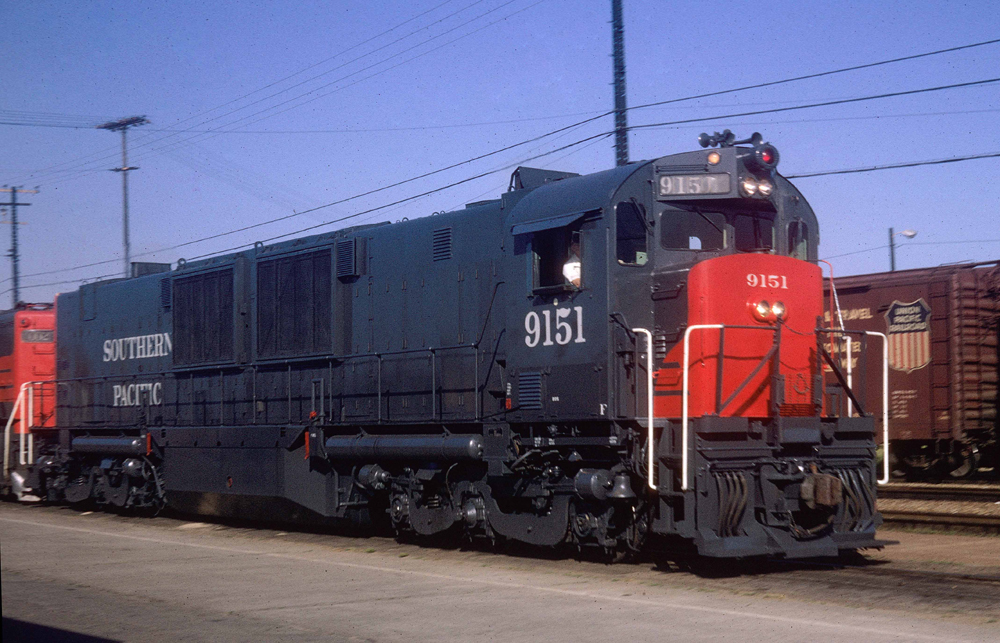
{"type": "Point", "coordinates": [571, 269]}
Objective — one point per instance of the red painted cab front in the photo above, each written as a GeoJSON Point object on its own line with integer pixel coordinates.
{"type": "Point", "coordinates": [28, 354]}
{"type": "Point", "coordinates": [749, 294]}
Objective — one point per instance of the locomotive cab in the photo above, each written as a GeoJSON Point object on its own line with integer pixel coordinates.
{"type": "Point", "coordinates": [695, 320]}
{"type": "Point", "coordinates": [737, 367]}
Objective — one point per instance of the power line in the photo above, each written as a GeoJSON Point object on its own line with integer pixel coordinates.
{"type": "Point", "coordinates": [914, 243]}
{"type": "Point", "coordinates": [209, 111]}
{"type": "Point", "coordinates": [381, 71]}
{"type": "Point", "coordinates": [841, 101]}
{"type": "Point", "coordinates": [466, 180]}
{"type": "Point", "coordinates": [604, 114]}
{"type": "Point", "coordinates": [666, 102]}
{"type": "Point", "coordinates": [546, 135]}
{"type": "Point", "coordinates": [895, 166]}
{"type": "Point", "coordinates": [823, 73]}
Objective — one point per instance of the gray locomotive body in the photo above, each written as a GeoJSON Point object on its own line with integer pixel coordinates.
{"type": "Point", "coordinates": [482, 371]}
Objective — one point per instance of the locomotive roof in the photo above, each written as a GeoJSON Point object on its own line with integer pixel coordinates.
{"type": "Point", "coordinates": [558, 200]}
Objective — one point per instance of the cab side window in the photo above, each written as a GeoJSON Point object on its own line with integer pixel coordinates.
{"type": "Point", "coordinates": [798, 240]}
{"type": "Point", "coordinates": [631, 235]}
{"type": "Point", "coordinates": [558, 259]}
{"type": "Point", "coordinates": [6, 335]}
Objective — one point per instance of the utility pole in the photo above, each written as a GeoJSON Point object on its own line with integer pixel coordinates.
{"type": "Point", "coordinates": [892, 251]}
{"type": "Point", "coordinates": [122, 126]}
{"type": "Point", "coordinates": [13, 236]}
{"type": "Point", "coordinates": [909, 234]}
{"type": "Point", "coordinates": [621, 125]}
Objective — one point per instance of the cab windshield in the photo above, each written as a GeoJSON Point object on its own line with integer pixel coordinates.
{"type": "Point", "coordinates": [702, 230]}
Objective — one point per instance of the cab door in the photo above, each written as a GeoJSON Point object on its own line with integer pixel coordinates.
{"type": "Point", "coordinates": [557, 318]}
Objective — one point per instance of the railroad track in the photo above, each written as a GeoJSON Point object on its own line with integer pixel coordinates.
{"type": "Point", "coordinates": [953, 491]}
{"type": "Point", "coordinates": [966, 505]}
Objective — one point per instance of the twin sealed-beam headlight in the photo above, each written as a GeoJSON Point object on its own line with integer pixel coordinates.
{"type": "Point", "coordinates": [751, 186]}
{"type": "Point", "coordinates": [764, 311]}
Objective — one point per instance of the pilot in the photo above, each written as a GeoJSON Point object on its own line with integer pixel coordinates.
{"type": "Point", "coordinates": [571, 269]}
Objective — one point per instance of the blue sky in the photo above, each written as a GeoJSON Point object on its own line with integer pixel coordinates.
{"type": "Point", "coordinates": [261, 110]}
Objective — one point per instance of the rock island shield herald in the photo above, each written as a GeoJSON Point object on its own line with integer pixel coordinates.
{"type": "Point", "coordinates": [909, 330]}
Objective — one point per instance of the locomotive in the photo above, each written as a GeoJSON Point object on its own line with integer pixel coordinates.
{"type": "Point", "coordinates": [614, 361]}
{"type": "Point", "coordinates": [27, 361]}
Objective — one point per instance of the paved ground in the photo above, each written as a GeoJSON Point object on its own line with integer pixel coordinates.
{"type": "Point", "coordinates": [86, 577]}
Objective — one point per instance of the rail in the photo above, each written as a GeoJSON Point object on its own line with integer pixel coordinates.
{"type": "Point", "coordinates": [651, 472]}
{"type": "Point", "coordinates": [434, 354]}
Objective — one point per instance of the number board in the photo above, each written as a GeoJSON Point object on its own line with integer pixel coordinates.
{"type": "Point", "coordinates": [686, 185]}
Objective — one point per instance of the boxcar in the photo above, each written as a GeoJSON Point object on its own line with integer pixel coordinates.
{"type": "Point", "coordinates": [942, 326]}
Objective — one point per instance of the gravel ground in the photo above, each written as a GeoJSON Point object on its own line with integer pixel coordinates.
{"type": "Point", "coordinates": [130, 578]}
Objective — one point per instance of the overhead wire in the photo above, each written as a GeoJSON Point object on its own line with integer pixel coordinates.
{"type": "Point", "coordinates": [528, 141]}
{"type": "Point", "coordinates": [896, 166]}
{"type": "Point", "coordinates": [752, 86]}
{"type": "Point", "coordinates": [112, 150]}
{"type": "Point", "coordinates": [164, 143]}
{"type": "Point", "coordinates": [658, 103]}
{"type": "Point", "coordinates": [913, 243]}
{"type": "Point", "coordinates": [307, 97]}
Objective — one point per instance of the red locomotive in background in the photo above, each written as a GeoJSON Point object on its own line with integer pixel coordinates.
{"type": "Point", "coordinates": [27, 371]}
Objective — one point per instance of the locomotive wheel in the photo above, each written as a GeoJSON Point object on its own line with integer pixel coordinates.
{"type": "Point", "coordinates": [78, 490]}
{"type": "Point", "coordinates": [964, 461]}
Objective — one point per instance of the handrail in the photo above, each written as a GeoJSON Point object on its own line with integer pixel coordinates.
{"type": "Point", "coordinates": [685, 460]}
{"type": "Point", "coordinates": [885, 392]}
{"type": "Point", "coordinates": [885, 406]}
{"type": "Point", "coordinates": [850, 380]}
{"type": "Point", "coordinates": [650, 473]}
{"type": "Point", "coordinates": [26, 444]}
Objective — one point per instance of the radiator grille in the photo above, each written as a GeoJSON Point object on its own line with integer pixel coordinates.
{"type": "Point", "coordinates": [529, 390]}
{"type": "Point", "coordinates": [165, 293]}
{"type": "Point", "coordinates": [442, 244]}
{"type": "Point", "coordinates": [346, 263]}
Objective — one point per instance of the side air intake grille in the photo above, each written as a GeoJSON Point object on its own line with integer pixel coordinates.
{"type": "Point", "coordinates": [442, 244]}
{"type": "Point", "coordinates": [347, 265]}
{"type": "Point", "coordinates": [165, 292]}
{"type": "Point", "coordinates": [529, 390]}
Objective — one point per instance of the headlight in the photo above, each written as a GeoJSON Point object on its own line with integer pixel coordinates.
{"type": "Point", "coordinates": [761, 311]}
{"type": "Point", "coordinates": [778, 310]}
{"type": "Point", "coordinates": [766, 188]}
{"type": "Point", "coordinates": [749, 186]}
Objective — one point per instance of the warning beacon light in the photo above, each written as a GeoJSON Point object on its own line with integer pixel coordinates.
{"type": "Point", "coordinates": [763, 158]}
